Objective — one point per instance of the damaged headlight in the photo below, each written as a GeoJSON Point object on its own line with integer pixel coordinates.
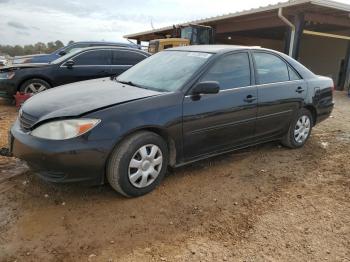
{"type": "Point", "coordinates": [65, 129]}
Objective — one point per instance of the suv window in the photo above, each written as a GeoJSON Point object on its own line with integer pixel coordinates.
{"type": "Point", "coordinates": [230, 71]}
{"type": "Point", "coordinates": [75, 46]}
{"type": "Point", "coordinates": [270, 68]}
{"type": "Point", "coordinates": [126, 57]}
{"type": "Point", "coordinates": [93, 57]}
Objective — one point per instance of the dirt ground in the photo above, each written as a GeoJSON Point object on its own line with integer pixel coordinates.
{"type": "Point", "coordinates": [265, 203]}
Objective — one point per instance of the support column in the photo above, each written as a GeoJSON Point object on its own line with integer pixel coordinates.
{"type": "Point", "coordinates": [138, 41]}
{"type": "Point", "coordinates": [299, 28]}
{"type": "Point", "coordinates": [287, 37]}
{"type": "Point", "coordinates": [345, 82]}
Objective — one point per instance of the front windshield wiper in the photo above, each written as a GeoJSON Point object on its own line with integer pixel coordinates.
{"type": "Point", "coordinates": [130, 83]}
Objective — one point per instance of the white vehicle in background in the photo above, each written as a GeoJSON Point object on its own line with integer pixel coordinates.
{"type": "Point", "coordinates": [3, 61]}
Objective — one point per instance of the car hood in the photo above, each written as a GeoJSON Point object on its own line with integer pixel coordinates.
{"type": "Point", "coordinates": [80, 98]}
{"type": "Point", "coordinates": [29, 56]}
{"type": "Point", "coordinates": [21, 66]}
{"type": "Point", "coordinates": [38, 58]}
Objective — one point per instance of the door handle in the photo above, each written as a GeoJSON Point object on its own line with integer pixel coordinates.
{"type": "Point", "coordinates": [249, 99]}
{"type": "Point", "coordinates": [299, 90]}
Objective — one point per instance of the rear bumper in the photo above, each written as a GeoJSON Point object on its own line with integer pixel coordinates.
{"type": "Point", "coordinates": [74, 160]}
{"type": "Point", "coordinates": [8, 88]}
{"type": "Point", "coordinates": [324, 111]}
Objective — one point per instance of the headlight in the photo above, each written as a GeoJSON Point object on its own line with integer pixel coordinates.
{"type": "Point", "coordinates": [65, 129]}
{"type": "Point", "coordinates": [7, 75]}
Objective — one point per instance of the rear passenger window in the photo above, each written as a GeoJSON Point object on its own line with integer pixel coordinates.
{"type": "Point", "coordinates": [126, 58]}
{"type": "Point", "coordinates": [230, 71]}
{"type": "Point", "coordinates": [292, 74]}
{"type": "Point", "coordinates": [270, 68]}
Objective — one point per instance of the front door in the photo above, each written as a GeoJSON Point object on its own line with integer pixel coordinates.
{"type": "Point", "coordinates": [87, 65]}
{"type": "Point", "coordinates": [218, 122]}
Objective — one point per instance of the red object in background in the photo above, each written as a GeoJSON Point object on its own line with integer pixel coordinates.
{"type": "Point", "coordinates": [21, 98]}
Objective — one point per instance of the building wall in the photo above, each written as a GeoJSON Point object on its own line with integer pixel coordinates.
{"type": "Point", "coordinates": [323, 55]}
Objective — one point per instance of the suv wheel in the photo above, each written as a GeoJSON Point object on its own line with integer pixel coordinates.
{"type": "Point", "coordinates": [138, 164]}
{"type": "Point", "coordinates": [34, 86]}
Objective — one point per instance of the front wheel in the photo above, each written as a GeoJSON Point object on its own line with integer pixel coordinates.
{"type": "Point", "coordinates": [299, 130]}
{"type": "Point", "coordinates": [34, 86]}
{"type": "Point", "coordinates": [138, 164]}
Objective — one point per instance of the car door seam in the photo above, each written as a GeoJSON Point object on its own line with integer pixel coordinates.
{"type": "Point", "coordinates": [198, 131]}
{"type": "Point", "coordinates": [275, 114]}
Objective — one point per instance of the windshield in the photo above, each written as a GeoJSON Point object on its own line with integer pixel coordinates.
{"type": "Point", "coordinates": [66, 56]}
{"type": "Point", "coordinates": [165, 71]}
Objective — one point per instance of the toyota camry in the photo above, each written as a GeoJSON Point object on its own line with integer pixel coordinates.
{"type": "Point", "coordinates": [176, 107]}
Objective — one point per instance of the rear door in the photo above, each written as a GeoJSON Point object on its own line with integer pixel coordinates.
{"type": "Point", "coordinates": [281, 92]}
{"type": "Point", "coordinates": [90, 64]}
{"type": "Point", "coordinates": [122, 60]}
{"type": "Point", "coordinates": [218, 122]}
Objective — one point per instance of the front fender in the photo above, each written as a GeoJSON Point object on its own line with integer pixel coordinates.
{"type": "Point", "coordinates": [161, 114]}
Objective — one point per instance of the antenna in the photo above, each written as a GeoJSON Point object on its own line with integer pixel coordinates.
{"type": "Point", "coordinates": [152, 23]}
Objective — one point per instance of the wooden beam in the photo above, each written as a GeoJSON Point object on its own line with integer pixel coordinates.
{"type": "Point", "coordinates": [307, 32]}
{"type": "Point", "coordinates": [249, 25]}
{"type": "Point", "coordinates": [327, 19]}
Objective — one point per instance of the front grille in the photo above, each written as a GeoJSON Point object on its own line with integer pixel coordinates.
{"type": "Point", "coordinates": [26, 121]}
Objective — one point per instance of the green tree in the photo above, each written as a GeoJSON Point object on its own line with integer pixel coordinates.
{"type": "Point", "coordinates": [59, 44]}
{"type": "Point", "coordinates": [28, 49]}
{"type": "Point", "coordinates": [18, 50]}
{"type": "Point", "coordinates": [51, 47]}
{"type": "Point", "coordinates": [38, 48]}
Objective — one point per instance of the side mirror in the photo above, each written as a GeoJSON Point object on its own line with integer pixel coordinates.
{"type": "Point", "coordinates": [207, 87]}
{"type": "Point", "coordinates": [69, 63]}
{"type": "Point", "coordinates": [62, 53]}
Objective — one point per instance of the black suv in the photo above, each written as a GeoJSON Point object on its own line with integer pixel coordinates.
{"type": "Point", "coordinates": [78, 65]}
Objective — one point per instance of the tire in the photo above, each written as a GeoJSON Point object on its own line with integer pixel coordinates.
{"type": "Point", "coordinates": [34, 86]}
{"type": "Point", "coordinates": [291, 138]}
{"type": "Point", "coordinates": [122, 176]}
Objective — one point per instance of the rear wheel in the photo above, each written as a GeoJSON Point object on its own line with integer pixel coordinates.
{"type": "Point", "coordinates": [300, 130]}
{"type": "Point", "coordinates": [34, 86]}
{"type": "Point", "coordinates": [138, 164]}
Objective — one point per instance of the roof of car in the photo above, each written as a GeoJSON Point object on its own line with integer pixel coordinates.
{"type": "Point", "coordinates": [106, 43]}
{"type": "Point", "coordinates": [113, 47]}
{"type": "Point", "coordinates": [212, 48]}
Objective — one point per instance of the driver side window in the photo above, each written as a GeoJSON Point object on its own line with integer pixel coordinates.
{"type": "Point", "coordinates": [93, 57]}
{"type": "Point", "coordinates": [231, 71]}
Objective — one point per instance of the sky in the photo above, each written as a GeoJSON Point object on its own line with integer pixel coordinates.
{"type": "Point", "coordinates": [30, 21]}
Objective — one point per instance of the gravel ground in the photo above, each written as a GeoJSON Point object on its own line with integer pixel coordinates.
{"type": "Point", "coordinates": [265, 203]}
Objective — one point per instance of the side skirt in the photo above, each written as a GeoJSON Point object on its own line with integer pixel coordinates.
{"type": "Point", "coordinates": [225, 152]}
